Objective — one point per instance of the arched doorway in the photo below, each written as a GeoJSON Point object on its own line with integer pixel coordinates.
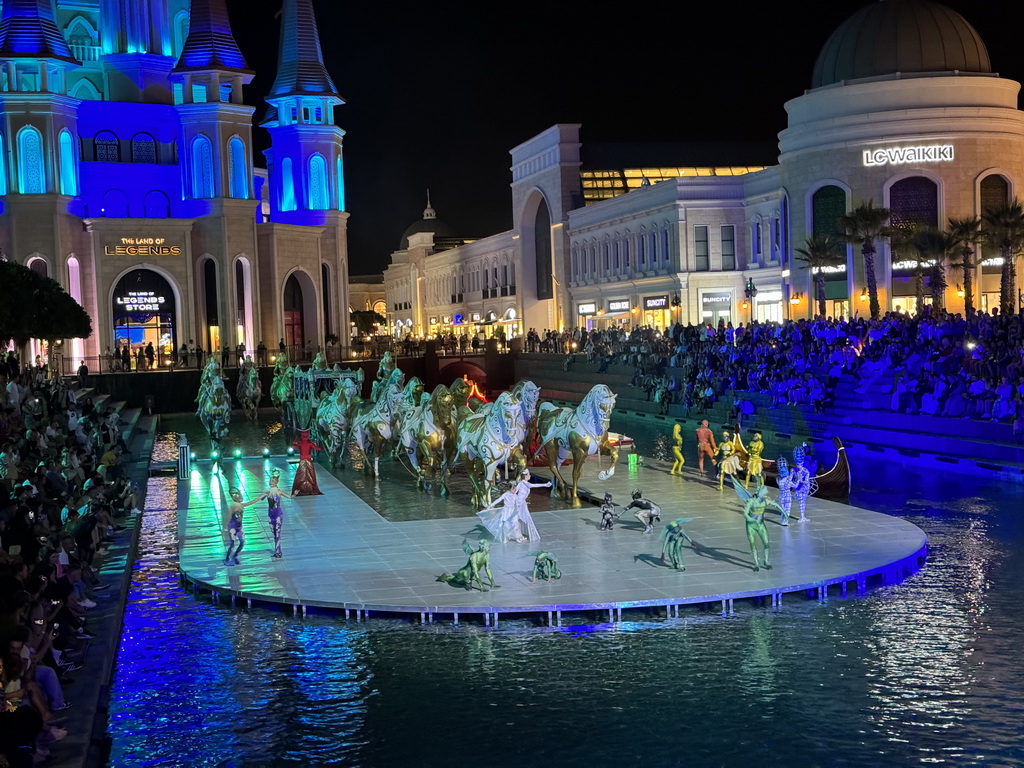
{"type": "Point", "coordinates": [144, 312]}
{"type": "Point", "coordinates": [294, 321]}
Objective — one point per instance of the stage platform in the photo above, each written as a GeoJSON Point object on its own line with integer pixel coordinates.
{"type": "Point", "coordinates": [340, 554]}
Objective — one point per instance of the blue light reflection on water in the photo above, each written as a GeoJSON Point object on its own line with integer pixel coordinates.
{"type": "Point", "coordinates": [920, 672]}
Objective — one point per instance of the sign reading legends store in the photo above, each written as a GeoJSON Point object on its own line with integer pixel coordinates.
{"type": "Point", "coordinates": [142, 246]}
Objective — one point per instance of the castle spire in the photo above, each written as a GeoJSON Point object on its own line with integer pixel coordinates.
{"type": "Point", "coordinates": [300, 62]}
{"type": "Point", "coordinates": [210, 43]}
{"type": "Point", "coordinates": [28, 31]}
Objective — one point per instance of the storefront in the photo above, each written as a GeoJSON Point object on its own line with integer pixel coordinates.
{"type": "Point", "coordinates": [657, 312]}
{"type": "Point", "coordinates": [586, 311]}
{"type": "Point", "coordinates": [716, 307]}
{"type": "Point", "coordinates": [144, 313]}
{"type": "Point", "coordinates": [768, 307]}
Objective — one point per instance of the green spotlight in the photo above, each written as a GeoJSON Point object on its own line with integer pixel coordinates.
{"type": "Point", "coordinates": [266, 451]}
{"type": "Point", "coordinates": [290, 450]}
{"type": "Point", "coordinates": [238, 453]}
{"type": "Point", "coordinates": [215, 454]}
{"type": "Point", "coordinates": [192, 456]}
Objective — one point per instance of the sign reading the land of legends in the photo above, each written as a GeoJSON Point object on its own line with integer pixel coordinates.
{"type": "Point", "coordinates": [930, 153]}
{"type": "Point", "coordinates": [141, 301]}
{"type": "Point", "coordinates": [142, 246]}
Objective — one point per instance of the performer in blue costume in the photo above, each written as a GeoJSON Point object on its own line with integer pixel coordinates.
{"type": "Point", "coordinates": [274, 512]}
{"type": "Point", "coordinates": [235, 534]}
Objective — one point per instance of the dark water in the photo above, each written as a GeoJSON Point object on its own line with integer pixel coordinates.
{"type": "Point", "coordinates": [927, 671]}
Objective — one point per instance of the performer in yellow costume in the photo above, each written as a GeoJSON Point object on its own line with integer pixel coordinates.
{"type": "Point", "coordinates": [730, 460]}
{"type": "Point", "coordinates": [755, 467]}
{"type": "Point", "coordinates": [677, 450]}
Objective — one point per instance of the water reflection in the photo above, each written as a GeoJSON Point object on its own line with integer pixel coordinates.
{"type": "Point", "coordinates": [924, 671]}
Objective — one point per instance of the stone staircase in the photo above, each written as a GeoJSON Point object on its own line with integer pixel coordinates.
{"type": "Point", "coordinates": [135, 426]}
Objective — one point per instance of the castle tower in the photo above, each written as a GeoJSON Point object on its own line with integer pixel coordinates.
{"type": "Point", "coordinates": [137, 41]}
{"type": "Point", "coordinates": [306, 187]}
{"type": "Point", "coordinates": [216, 159]}
{"type": "Point", "coordinates": [39, 150]}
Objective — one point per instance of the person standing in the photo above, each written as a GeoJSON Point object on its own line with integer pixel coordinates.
{"type": "Point", "coordinates": [705, 446]}
{"type": "Point", "coordinates": [261, 354]}
{"type": "Point", "coordinates": [234, 534]}
{"type": "Point", "coordinates": [274, 512]}
{"type": "Point", "coordinates": [677, 450]}
{"type": "Point", "coordinates": [150, 355]}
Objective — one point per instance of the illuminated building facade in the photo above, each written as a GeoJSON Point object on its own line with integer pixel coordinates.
{"type": "Point", "coordinates": [127, 174]}
{"type": "Point", "coordinates": [920, 125]}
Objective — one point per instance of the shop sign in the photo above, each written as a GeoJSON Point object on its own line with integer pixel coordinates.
{"type": "Point", "coordinates": [929, 153]}
{"type": "Point", "coordinates": [446, 319]}
{"type": "Point", "coordinates": [715, 299]}
{"type": "Point", "coordinates": [142, 246]}
{"type": "Point", "coordinates": [458, 319]}
{"type": "Point", "coordinates": [140, 301]}
{"type": "Point", "coordinates": [656, 302]}
{"type": "Point", "coordinates": [769, 297]}
{"type": "Point", "coordinates": [433, 321]}
{"type": "Point", "coordinates": [587, 309]}
{"type": "Point", "coordinates": [910, 265]}
{"type": "Point", "coordinates": [621, 305]}
{"type": "Point", "coordinates": [836, 269]}
{"type": "Point", "coordinates": [476, 317]}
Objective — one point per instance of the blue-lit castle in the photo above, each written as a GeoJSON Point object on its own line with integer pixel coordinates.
{"type": "Point", "coordinates": [126, 174]}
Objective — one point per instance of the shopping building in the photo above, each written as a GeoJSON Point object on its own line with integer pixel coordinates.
{"type": "Point", "coordinates": [903, 110]}
{"type": "Point", "coordinates": [127, 174]}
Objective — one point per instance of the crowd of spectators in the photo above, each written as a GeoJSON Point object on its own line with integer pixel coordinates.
{"type": "Point", "coordinates": [62, 491]}
{"type": "Point", "coordinates": [936, 363]}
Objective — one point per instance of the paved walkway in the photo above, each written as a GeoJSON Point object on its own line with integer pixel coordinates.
{"type": "Point", "coordinates": [341, 554]}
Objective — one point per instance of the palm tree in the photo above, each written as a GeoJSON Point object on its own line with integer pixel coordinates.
{"type": "Point", "coordinates": [969, 236]}
{"type": "Point", "coordinates": [863, 225]}
{"type": "Point", "coordinates": [1005, 226]}
{"type": "Point", "coordinates": [903, 239]}
{"type": "Point", "coordinates": [933, 245]}
{"type": "Point", "coordinates": [819, 252]}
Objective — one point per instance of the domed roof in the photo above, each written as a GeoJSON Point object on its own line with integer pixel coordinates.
{"type": "Point", "coordinates": [429, 223]}
{"type": "Point", "coordinates": [905, 36]}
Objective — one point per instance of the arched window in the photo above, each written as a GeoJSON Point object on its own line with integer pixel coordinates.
{"type": "Point", "coordinates": [828, 204]}
{"type": "Point", "coordinates": [287, 186]}
{"type": "Point", "coordinates": [995, 192]}
{"type": "Point", "coordinates": [31, 172]}
{"type": "Point", "coordinates": [108, 149]}
{"type": "Point", "coordinates": [85, 90]}
{"type": "Point", "coordinates": [238, 176]}
{"type": "Point", "coordinates": [143, 148]}
{"type": "Point", "coordinates": [39, 266]}
{"type": "Point", "coordinates": [318, 192]}
{"type": "Point", "coordinates": [3, 166]}
{"type": "Point", "coordinates": [180, 32]}
{"type": "Point", "coordinates": [914, 201]}
{"type": "Point", "coordinates": [157, 205]}
{"type": "Point", "coordinates": [202, 168]}
{"type": "Point", "coordinates": [115, 204]}
{"type": "Point", "coordinates": [340, 181]}
{"type": "Point", "coordinates": [68, 166]}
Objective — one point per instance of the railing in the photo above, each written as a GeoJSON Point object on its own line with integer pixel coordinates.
{"type": "Point", "coordinates": [86, 52]}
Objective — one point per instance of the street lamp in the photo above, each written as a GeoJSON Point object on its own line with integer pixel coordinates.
{"type": "Point", "coordinates": [750, 291]}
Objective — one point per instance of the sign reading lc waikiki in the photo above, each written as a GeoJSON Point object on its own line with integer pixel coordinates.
{"type": "Point", "coordinates": [931, 153]}
{"type": "Point", "coordinates": [142, 246]}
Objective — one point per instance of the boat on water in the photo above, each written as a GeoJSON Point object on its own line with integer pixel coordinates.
{"type": "Point", "coordinates": [833, 484]}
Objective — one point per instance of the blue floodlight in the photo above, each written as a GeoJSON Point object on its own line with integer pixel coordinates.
{"type": "Point", "coordinates": [266, 451]}
{"type": "Point", "coordinates": [290, 450]}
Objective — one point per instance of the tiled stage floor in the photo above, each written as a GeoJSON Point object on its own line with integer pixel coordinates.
{"type": "Point", "coordinates": [339, 553]}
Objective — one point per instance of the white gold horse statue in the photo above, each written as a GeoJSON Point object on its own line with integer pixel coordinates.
{"type": "Point", "coordinates": [487, 440]}
{"type": "Point", "coordinates": [578, 433]}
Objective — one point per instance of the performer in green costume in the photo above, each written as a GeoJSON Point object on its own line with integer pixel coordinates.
{"type": "Point", "coordinates": [754, 506]}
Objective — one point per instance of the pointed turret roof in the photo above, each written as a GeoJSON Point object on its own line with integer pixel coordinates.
{"type": "Point", "coordinates": [210, 43]}
{"type": "Point", "coordinates": [28, 31]}
{"type": "Point", "coordinates": [300, 62]}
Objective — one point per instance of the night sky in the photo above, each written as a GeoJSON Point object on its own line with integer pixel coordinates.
{"type": "Point", "coordinates": [438, 93]}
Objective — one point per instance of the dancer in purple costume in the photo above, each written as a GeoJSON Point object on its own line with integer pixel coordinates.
{"type": "Point", "coordinates": [785, 483]}
{"type": "Point", "coordinates": [235, 534]}
{"type": "Point", "coordinates": [274, 512]}
{"type": "Point", "coordinates": [800, 482]}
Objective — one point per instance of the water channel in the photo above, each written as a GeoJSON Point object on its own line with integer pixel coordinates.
{"type": "Point", "coordinates": [927, 671]}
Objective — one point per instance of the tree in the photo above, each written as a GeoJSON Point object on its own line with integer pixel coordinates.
{"type": "Point", "coordinates": [36, 307]}
{"type": "Point", "coordinates": [903, 246]}
{"type": "Point", "coordinates": [862, 226]}
{"type": "Point", "coordinates": [969, 235]}
{"type": "Point", "coordinates": [933, 246]}
{"type": "Point", "coordinates": [365, 320]}
{"type": "Point", "coordinates": [1004, 226]}
{"type": "Point", "coordinates": [820, 252]}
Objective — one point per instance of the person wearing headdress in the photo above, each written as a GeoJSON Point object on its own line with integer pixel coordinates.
{"type": "Point", "coordinates": [677, 450]}
{"type": "Point", "coordinates": [730, 463]}
{"type": "Point", "coordinates": [304, 483]}
{"type": "Point", "coordinates": [801, 482]}
{"type": "Point", "coordinates": [234, 533]}
{"type": "Point", "coordinates": [785, 483]}
{"type": "Point", "coordinates": [755, 465]}
{"type": "Point", "coordinates": [274, 512]}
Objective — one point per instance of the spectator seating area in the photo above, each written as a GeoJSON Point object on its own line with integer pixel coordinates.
{"type": "Point", "coordinates": [69, 497]}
